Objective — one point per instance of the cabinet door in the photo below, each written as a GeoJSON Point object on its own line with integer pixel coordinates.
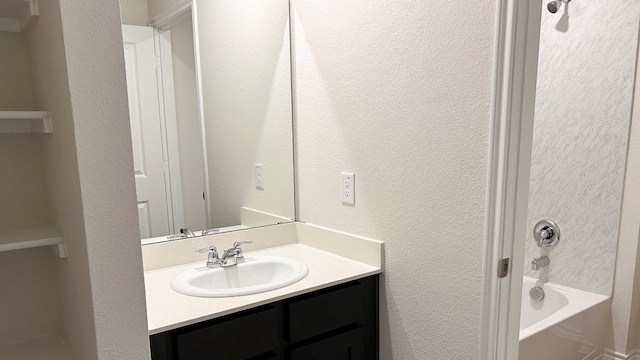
{"type": "Point", "coordinates": [346, 346]}
{"type": "Point", "coordinates": [251, 336]}
{"type": "Point", "coordinates": [329, 310]}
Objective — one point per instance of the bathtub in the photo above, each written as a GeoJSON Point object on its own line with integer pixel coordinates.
{"type": "Point", "coordinates": [568, 324]}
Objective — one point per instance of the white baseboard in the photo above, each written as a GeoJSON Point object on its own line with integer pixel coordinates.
{"type": "Point", "coordinates": [613, 355]}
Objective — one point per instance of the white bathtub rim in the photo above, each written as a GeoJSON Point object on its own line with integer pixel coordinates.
{"type": "Point", "coordinates": [579, 301]}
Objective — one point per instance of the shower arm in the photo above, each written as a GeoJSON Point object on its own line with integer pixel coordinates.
{"type": "Point", "coordinates": [554, 6]}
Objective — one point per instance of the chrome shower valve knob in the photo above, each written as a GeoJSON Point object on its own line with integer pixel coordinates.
{"type": "Point", "coordinates": [546, 233]}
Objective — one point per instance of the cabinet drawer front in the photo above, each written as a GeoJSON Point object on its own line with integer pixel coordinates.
{"type": "Point", "coordinates": [321, 313]}
{"type": "Point", "coordinates": [345, 346]}
{"type": "Point", "coordinates": [249, 336]}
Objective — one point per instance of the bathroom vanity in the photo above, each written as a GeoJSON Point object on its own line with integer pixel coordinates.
{"type": "Point", "coordinates": [332, 313]}
{"type": "Point", "coordinates": [340, 322]}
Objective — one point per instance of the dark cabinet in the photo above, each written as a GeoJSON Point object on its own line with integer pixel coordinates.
{"type": "Point", "coordinates": [339, 322]}
{"type": "Point", "coordinates": [250, 336]}
{"type": "Point", "coordinates": [344, 346]}
{"type": "Point", "coordinates": [320, 313]}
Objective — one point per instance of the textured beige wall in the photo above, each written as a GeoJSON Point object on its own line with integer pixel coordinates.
{"type": "Point", "coordinates": [51, 92]}
{"type": "Point", "coordinates": [91, 203]}
{"type": "Point", "coordinates": [95, 62]}
{"type": "Point", "coordinates": [400, 94]}
{"type": "Point", "coordinates": [246, 92]}
{"type": "Point", "coordinates": [15, 92]}
{"type": "Point", "coordinates": [189, 128]}
{"type": "Point", "coordinates": [134, 12]}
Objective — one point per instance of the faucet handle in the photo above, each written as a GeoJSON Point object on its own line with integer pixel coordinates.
{"type": "Point", "coordinates": [238, 244]}
{"type": "Point", "coordinates": [212, 260]}
{"type": "Point", "coordinates": [546, 233]}
{"type": "Point", "coordinates": [186, 232]}
{"type": "Point", "coordinates": [210, 231]}
{"type": "Point", "coordinates": [207, 249]}
{"type": "Point", "coordinates": [238, 250]}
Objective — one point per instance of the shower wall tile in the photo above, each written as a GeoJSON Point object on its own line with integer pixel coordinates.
{"type": "Point", "coordinates": [583, 109]}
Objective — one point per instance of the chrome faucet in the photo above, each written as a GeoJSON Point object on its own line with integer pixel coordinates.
{"type": "Point", "coordinates": [212, 260]}
{"type": "Point", "coordinates": [234, 255]}
{"type": "Point", "coordinates": [230, 257]}
{"type": "Point", "coordinates": [186, 232]}
{"type": "Point", "coordinates": [540, 262]}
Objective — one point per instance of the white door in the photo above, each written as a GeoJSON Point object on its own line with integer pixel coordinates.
{"type": "Point", "coordinates": [149, 155]}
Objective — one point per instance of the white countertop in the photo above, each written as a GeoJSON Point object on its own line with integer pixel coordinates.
{"type": "Point", "coordinates": [167, 309]}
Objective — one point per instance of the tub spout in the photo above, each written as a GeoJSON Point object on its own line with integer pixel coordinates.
{"type": "Point", "coordinates": [540, 262]}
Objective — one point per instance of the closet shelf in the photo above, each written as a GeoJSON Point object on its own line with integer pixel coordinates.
{"type": "Point", "coordinates": [50, 347]}
{"type": "Point", "coordinates": [31, 236]}
{"type": "Point", "coordinates": [25, 122]}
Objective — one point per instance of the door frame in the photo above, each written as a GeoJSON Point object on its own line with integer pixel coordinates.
{"type": "Point", "coordinates": [196, 46]}
{"type": "Point", "coordinates": [169, 119]}
{"type": "Point", "coordinates": [514, 88]}
{"type": "Point", "coordinates": [163, 22]}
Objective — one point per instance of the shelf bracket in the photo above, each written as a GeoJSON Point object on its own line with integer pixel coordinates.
{"type": "Point", "coordinates": [47, 125]}
{"type": "Point", "coordinates": [33, 10]}
{"type": "Point", "coordinates": [60, 250]}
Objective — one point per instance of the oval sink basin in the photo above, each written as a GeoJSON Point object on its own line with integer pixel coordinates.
{"type": "Point", "coordinates": [255, 275]}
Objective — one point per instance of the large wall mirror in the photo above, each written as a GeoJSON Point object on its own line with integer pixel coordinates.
{"type": "Point", "coordinates": [209, 86]}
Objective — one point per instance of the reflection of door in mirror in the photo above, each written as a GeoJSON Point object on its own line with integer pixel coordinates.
{"type": "Point", "coordinates": [146, 130]}
{"type": "Point", "coordinates": [165, 128]}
